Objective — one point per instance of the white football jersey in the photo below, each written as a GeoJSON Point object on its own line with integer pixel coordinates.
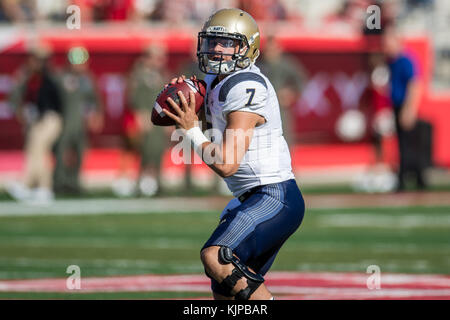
{"type": "Point", "coordinates": [267, 159]}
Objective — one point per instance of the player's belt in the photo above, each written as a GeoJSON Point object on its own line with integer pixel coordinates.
{"type": "Point", "coordinates": [249, 193]}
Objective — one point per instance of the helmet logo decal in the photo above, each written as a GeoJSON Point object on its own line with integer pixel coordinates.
{"type": "Point", "coordinates": [216, 29]}
{"type": "Point", "coordinates": [253, 37]}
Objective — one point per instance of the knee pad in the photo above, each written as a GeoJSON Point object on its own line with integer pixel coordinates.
{"type": "Point", "coordinates": [254, 280]}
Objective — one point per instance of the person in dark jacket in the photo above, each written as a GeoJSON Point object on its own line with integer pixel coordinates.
{"type": "Point", "coordinates": [37, 102]}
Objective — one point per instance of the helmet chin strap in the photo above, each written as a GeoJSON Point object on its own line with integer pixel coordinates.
{"type": "Point", "coordinates": [243, 63]}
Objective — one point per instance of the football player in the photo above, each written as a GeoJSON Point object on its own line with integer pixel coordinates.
{"type": "Point", "coordinates": [250, 153]}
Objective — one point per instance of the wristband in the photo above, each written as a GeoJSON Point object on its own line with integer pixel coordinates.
{"type": "Point", "coordinates": [197, 138]}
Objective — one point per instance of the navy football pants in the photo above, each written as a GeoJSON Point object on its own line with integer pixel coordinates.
{"type": "Point", "coordinates": [257, 228]}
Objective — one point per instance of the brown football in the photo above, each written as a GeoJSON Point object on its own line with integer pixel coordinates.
{"type": "Point", "coordinates": [159, 118]}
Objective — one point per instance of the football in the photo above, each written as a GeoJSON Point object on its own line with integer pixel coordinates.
{"type": "Point", "coordinates": [159, 118]}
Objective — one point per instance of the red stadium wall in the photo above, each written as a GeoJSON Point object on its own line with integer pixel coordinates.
{"type": "Point", "coordinates": [332, 63]}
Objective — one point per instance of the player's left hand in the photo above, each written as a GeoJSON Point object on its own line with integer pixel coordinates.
{"type": "Point", "coordinates": [186, 118]}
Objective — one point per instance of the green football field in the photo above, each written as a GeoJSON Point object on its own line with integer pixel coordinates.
{"type": "Point", "coordinates": [413, 240]}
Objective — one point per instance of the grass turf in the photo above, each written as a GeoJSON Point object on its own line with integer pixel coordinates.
{"type": "Point", "coordinates": [407, 240]}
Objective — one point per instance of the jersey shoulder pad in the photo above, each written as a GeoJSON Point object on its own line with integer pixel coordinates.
{"type": "Point", "coordinates": [235, 80]}
{"type": "Point", "coordinates": [246, 91]}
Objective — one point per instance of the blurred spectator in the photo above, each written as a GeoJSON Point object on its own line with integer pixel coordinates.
{"type": "Point", "coordinates": [169, 11]}
{"type": "Point", "coordinates": [86, 9]}
{"type": "Point", "coordinates": [17, 10]}
{"type": "Point", "coordinates": [405, 94]}
{"type": "Point", "coordinates": [425, 4]}
{"type": "Point", "coordinates": [350, 16]}
{"type": "Point", "coordinates": [52, 10]}
{"type": "Point", "coordinates": [9, 10]}
{"type": "Point", "coordinates": [172, 11]}
{"type": "Point", "coordinates": [202, 9]}
{"type": "Point", "coordinates": [266, 10]}
{"type": "Point", "coordinates": [288, 78]}
{"type": "Point", "coordinates": [179, 11]}
{"type": "Point", "coordinates": [112, 10]}
{"type": "Point", "coordinates": [80, 99]}
{"type": "Point", "coordinates": [38, 106]}
{"type": "Point", "coordinates": [145, 8]}
{"type": "Point", "coordinates": [146, 81]}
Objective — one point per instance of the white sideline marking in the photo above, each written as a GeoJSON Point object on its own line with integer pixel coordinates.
{"type": "Point", "coordinates": [101, 242]}
{"type": "Point", "coordinates": [306, 285]}
{"type": "Point", "coordinates": [375, 220]}
{"type": "Point", "coordinates": [94, 263]}
{"type": "Point", "coordinates": [105, 206]}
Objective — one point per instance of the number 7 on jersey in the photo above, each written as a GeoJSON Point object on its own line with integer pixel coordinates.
{"type": "Point", "coordinates": [252, 94]}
